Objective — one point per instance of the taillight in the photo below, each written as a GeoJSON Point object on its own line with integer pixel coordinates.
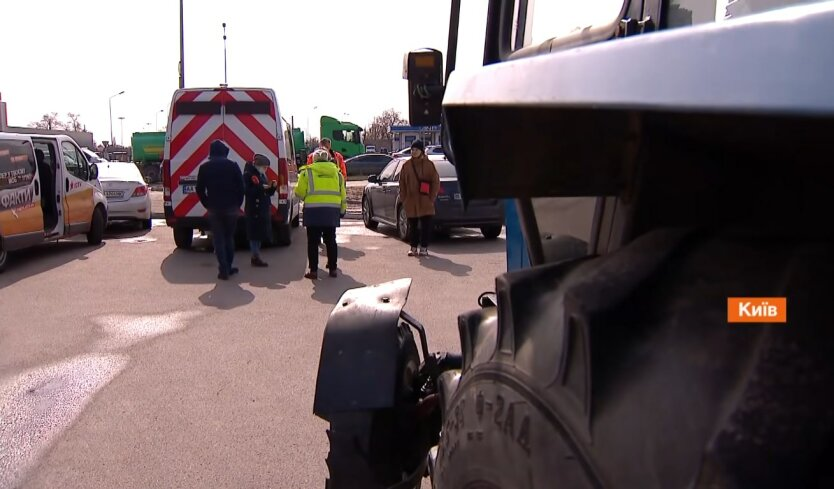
{"type": "Point", "coordinates": [283, 179]}
{"type": "Point", "coordinates": [166, 179]}
{"type": "Point", "coordinates": [140, 191]}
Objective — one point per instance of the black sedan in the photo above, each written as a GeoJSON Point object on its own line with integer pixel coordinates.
{"type": "Point", "coordinates": [367, 164]}
{"type": "Point", "coordinates": [381, 203]}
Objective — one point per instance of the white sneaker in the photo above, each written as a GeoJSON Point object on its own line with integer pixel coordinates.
{"type": "Point", "coordinates": [412, 252]}
{"type": "Point", "coordinates": [423, 252]}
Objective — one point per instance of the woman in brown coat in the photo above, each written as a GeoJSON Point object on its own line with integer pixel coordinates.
{"type": "Point", "coordinates": [419, 186]}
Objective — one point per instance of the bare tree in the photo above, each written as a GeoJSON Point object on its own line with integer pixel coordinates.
{"type": "Point", "coordinates": [49, 122]}
{"type": "Point", "coordinates": [378, 132]}
{"type": "Point", "coordinates": [74, 124]}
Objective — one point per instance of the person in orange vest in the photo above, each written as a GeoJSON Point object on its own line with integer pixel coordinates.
{"type": "Point", "coordinates": [326, 144]}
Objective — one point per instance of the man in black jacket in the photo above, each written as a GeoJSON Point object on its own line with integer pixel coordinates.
{"type": "Point", "coordinates": [220, 188]}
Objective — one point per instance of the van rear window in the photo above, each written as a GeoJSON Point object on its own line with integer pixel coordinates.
{"type": "Point", "coordinates": [17, 164]}
{"type": "Point", "coordinates": [232, 107]}
{"type": "Point", "coordinates": [247, 107]}
{"type": "Point", "coordinates": [198, 108]}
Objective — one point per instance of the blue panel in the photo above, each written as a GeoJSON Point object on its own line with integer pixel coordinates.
{"type": "Point", "coordinates": [517, 256]}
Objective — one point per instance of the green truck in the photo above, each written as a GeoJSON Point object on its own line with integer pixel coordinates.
{"type": "Point", "coordinates": [346, 136]}
{"type": "Point", "coordinates": [299, 145]}
{"type": "Point", "coordinates": [147, 153]}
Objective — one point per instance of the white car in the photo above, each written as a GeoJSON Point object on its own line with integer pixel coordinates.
{"type": "Point", "coordinates": [128, 196]}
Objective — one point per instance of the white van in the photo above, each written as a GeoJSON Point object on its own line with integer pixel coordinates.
{"type": "Point", "coordinates": [48, 191]}
{"type": "Point", "coordinates": [248, 121]}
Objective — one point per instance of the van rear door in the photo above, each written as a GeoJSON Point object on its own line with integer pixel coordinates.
{"type": "Point", "coordinates": [253, 126]}
{"type": "Point", "coordinates": [196, 121]}
{"type": "Point", "coordinates": [246, 120]}
{"type": "Point", "coordinates": [21, 216]}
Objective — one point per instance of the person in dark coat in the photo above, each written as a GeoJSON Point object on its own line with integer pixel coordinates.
{"type": "Point", "coordinates": [259, 189]}
{"type": "Point", "coordinates": [220, 188]}
{"type": "Point", "coordinates": [419, 186]}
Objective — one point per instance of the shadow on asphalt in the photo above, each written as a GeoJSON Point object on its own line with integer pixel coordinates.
{"type": "Point", "coordinates": [198, 265]}
{"type": "Point", "coordinates": [39, 259]}
{"type": "Point", "coordinates": [441, 264]}
{"type": "Point", "coordinates": [349, 254]}
{"type": "Point", "coordinates": [328, 290]}
{"type": "Point", "coordinates": [227, 295]}
{"type": "Point", "coordinates": [456, 241]}
{"type": "Point", "coordinates": [124, 229]}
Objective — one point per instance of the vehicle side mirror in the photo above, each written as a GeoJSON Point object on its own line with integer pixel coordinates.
{"type": "Point", "coordinates": [93, 172]}
{"type": "Point", "coordinates": [373, 179]}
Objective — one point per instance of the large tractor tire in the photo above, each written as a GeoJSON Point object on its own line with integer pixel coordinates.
{"type": "Point", "coordinates": [372, 449]}
{"type": "Point", "coordinates": [623, 371]}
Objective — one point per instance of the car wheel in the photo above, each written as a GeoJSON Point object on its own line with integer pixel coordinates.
{"type": "Point", "coordinates": [96, 233]}
{"type": "Point", "coordinates": [183, 237]}
{"type": "Point", "coordinates": [491, 232]}
{"type": "Point", "coordinates": [4, 257]}
{"type": "Point", "coordinates": [367, 217]}
{"type": "Point", "coordinates": [147, 223]}
{"type": "Point", "coordinates": [402, 224]}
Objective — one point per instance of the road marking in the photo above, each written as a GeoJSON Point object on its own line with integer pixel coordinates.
{"type": "Point", "coordinates": [38, 405]}
{"type": "Point", "coordinates": [139, 239]}
{"type": "Point", "coordinates": [122, 331]}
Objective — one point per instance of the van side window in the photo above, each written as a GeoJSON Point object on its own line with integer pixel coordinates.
{"type": "Point", "coordinates": [17, 164]}
{"type": "Point", "coordinates": [49, 156]}
{"type": "Point", "coordinates": [74, 161]}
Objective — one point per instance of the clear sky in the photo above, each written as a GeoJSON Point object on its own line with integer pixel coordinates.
{"type": "Point", "coordinates": [343, 57]}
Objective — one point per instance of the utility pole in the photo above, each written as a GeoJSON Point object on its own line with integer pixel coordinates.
{"type": "Point", "coordinates": [182, 50]}
{"type": "Point", "coordinates": [122, 141]}
{"type": "Point", "coordinates": [110, 104]}
{"type": "Point", "coordinates": [225, 77]}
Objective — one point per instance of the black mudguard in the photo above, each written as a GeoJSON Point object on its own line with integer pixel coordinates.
{"type": "Point", "coordinates": [358, 362]}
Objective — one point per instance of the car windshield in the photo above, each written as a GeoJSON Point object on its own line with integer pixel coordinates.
{"type": "Point", "coordinates": [91, 157]}
{"type": "Point", "coordinates": [127, 172]}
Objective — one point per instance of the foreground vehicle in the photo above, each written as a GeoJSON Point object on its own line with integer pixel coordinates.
{"type": "Point", "coordinates": [673, 330]}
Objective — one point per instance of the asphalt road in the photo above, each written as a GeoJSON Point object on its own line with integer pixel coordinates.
{"type": "Point", "coordinates": [128, 365]}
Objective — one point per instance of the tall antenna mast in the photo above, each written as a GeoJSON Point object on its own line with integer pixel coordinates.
{"type": "Point", "coordinates": [225, 76]}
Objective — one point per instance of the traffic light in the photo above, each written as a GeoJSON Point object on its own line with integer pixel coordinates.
{"type": "Point", "coordinates": [423, 68]}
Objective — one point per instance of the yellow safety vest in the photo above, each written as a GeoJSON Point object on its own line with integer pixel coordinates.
{"type": "Point", "coordinates": [321, 185]}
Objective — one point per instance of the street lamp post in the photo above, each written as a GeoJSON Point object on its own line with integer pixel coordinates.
{"type": "Point", "coordinates": [110, 103]}
{"type": "Point", "coordinates": [309, 135]}
{"type": "Point", "coordinates": [156, 121]}
{"type": "Point", "coordinates": [122, 139]}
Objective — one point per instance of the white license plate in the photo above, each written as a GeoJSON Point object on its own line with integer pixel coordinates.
{"type": "Point", "coordinates": [457, 196]}
{"type": "Point", "coordinates": [114, 194]}
{"type": "Point", "coordinates": [188, 189]}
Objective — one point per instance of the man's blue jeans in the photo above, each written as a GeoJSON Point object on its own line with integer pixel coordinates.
{"type": "Point", "coordinates": [223, 226]}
